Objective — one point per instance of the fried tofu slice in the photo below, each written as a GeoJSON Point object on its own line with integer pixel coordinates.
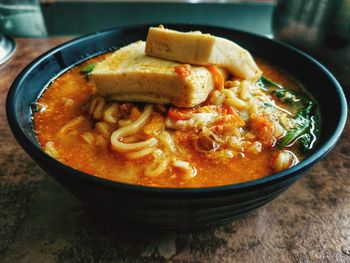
{"type": "Point", "coordinates": [130, 75]}
{"type": "Point", "coordinates": [201, 49]}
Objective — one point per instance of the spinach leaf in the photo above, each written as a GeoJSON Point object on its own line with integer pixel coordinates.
{"type": "Point", "coordinates": [307, 111]}
{"type": "Point", "coordinates": [304, 123]}
{"type": "Point", "coordinates": [87, 69]}
{"type": "Point", "coordinates": [280, 93]}
{"type": "Point", "coordinates": [266, 104]}
{"type": "Point", "coordinates": [286, 96]}
{"type": "Point", "coordinates": [266, 81]}
{"type": "Point", "coordinates": [294, 133]}
{"type": "Point", "coordinates": [283, 94]}
{"type": "Point", "coordinates": [305, 142]}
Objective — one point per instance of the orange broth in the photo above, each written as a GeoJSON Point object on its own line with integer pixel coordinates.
{"type": "Point", "coordinates": [103, 162]}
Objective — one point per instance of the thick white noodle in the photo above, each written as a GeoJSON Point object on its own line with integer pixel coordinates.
{"type": "Point", "coordinates": [186, 167]}
{"type": "Point", "coordinates": [166, 139]}
{"type": "Point", "coordinates": [110, 115]}
{"type": "Point", "coordinates": [131, 129]}
{"type": "Point", "coordinates": [88, 137]}
{"type": "Point", "coordinates": [96, 107]}
{"type": "Point", "coordinates": [71, 125]}
{"type": "Point", "coordinates": [50, 149]}
{"type": "Point", "coordinates": [157, 168]}
{"type": "Point", "coordinates": [103, 128]}
{"type": "Point", "coordinates": [143, 152]}
{"type": "Point", "coordinates": [130, 139]}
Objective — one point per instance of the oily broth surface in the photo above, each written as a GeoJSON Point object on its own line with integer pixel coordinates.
{"type": "Point", "coordinates": [102, 162]}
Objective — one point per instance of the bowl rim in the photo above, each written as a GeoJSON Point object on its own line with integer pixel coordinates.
{"type": "Point", "coordinates": [33, 149]}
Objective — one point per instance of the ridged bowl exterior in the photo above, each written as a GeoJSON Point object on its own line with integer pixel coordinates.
{"type": "Point", "coordinates": [173, 208]}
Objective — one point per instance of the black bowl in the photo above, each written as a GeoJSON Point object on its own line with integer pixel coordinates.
{"type": "Point", "coordinates": [166, 208]}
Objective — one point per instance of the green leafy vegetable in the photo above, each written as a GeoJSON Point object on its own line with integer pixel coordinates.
{"type": "Point", "coordinates": [307, 110]}
{"type": "Point", "coordinates": [280, 93]}
{"type": "Point", "coordinates": [264, 80]}
{"type": "Point", "coordinates": [87, 70]}
{"type": "Point", "coordinates": [304, 122]}
{"type": "Point", "coordinates": [305, 142]}
{"type": "Point", "coordinates": [304, 119]}
{"type": "Point", "coordinates": [283, 94]}
{"type": "Point", "coordinates": [266, 104]}
{"type": "Point", "coordinates": [286, 96]}
{"type": "Point", "coordinates": [294, 133]}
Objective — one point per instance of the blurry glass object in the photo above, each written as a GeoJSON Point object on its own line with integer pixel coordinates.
{"type": "Point", "coordinates": [7, 47]}
{"type": "Point", "coordinates": [321, 27]}
{"type": "Point", "coordinates": [22, 18]}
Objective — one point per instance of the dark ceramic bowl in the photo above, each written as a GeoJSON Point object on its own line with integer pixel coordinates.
{"type": "Point", "coordinates": [162, 207]}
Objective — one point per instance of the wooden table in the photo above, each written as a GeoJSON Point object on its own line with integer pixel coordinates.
{"type": "Point", "coordinates": [41, 222]}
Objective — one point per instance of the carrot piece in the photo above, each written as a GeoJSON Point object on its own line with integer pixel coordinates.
{"type": "Point", "coordinates": [218, 77]}
{"type": "Point", "coordinates": [179, 114]}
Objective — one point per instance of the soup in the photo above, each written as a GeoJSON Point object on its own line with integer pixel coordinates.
{"type": "Point", "coordinates": [243, 130]}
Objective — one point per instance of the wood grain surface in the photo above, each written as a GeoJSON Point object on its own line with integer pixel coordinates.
{"type": "Point", "coordinates": [41, 222]}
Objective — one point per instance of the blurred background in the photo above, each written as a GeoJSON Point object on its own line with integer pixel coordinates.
{"type": "Point", "coordinates": [319, 27]}
{"type": "Point", "coordinates": [73, 17]}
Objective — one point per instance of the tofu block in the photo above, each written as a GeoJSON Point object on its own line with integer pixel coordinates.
{"type": "Point", "coordinates": [201, 49]}
{"type": "Point", "coordinates": [130, 75]}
